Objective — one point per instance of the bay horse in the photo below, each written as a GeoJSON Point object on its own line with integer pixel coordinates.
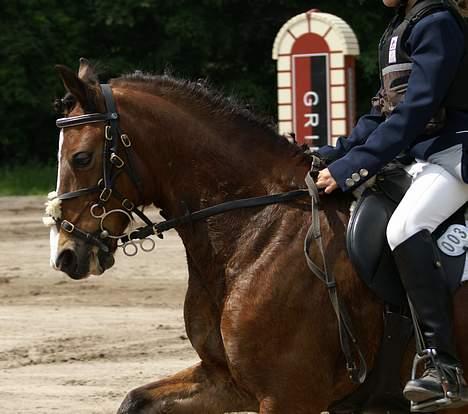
{"type": "Point", "coordinates": [261, 324]}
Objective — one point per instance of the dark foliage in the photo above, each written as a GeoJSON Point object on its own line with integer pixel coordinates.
{"type": "Point", "coordinates": [228, 42]}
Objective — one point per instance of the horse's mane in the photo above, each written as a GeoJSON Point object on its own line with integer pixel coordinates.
{"type": "Point", "coordinates": [200, 91]}
{"type": "Point", "coordinates": [214, 103]}
{"type": "Point", "coordinates": [202, 97]}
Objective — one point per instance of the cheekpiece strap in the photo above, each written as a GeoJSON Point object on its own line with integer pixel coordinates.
{"type": "Point", "coordinates": [111, 134]}
{"type": "Point", "coordinates": [110, 104]}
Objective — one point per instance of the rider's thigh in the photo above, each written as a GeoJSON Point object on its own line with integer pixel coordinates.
{"type": "Point", "coordinates": [433, 197]}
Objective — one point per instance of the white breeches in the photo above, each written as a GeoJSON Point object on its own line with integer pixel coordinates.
{"type": "Point", "coordinates": [437, 191]}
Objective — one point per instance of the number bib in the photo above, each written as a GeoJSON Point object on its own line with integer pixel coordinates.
{"type": "Point", "coordinates": [454, 242]}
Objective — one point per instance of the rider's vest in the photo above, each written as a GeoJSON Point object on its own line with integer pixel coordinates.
{"type": "Point", "coordinates": [396, 65]}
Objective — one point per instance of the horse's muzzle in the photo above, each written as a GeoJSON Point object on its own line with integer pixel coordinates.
{"type": "Point", "coordinates": [79, 261]}
{"type": "Point", "coordinates": [68, 262]}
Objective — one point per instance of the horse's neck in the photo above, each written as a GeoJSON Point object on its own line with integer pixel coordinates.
{"type": "Point", "coordinates": [205, 161]}
{"type": "Point", "coordinates": [195, 163]}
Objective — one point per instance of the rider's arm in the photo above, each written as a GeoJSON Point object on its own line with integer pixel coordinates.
{"type": "Point", "coordinates": [364, 127]}
{"type": "Point", "coordinates": [436, 45]}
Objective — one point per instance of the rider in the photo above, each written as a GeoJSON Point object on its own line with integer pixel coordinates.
{"type": "Point", "coordinates": [421, 108]}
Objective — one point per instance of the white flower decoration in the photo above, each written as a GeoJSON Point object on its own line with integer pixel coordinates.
{"type": "Point", "coordinates": [53, 209]}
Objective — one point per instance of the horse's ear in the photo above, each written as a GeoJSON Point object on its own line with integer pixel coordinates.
{"type": "Point", "coordinates": [79, 88]}
{"type": "Point", "coordinates": [86, 72]}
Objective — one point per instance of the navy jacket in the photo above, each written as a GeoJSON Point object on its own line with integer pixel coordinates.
{"type": "Point", "coordinates": [436, 48]}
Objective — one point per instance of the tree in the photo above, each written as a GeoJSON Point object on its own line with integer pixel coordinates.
{"type": "Point", "coordinates": [226, 41]}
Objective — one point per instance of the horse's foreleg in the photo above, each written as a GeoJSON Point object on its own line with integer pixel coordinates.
{"type": "Point", "coordinates": [196, 390]}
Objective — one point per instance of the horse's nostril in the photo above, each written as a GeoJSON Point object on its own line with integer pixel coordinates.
{"type": "Point", "coordinates": [67, 261]}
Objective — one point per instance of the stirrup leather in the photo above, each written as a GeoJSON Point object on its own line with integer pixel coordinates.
{"type": "Point", "coordinates": [451, 398]}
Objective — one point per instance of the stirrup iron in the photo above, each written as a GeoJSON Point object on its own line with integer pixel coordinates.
{"type": "Point", "coordinates": [450, 399]}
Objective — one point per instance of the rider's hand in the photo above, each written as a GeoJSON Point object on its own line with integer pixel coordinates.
{"type": "Point", "coordinates": [326, 181]}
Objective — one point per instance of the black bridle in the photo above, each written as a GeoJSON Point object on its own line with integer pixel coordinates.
{"type": "Point", "coordinates": [113, 166]}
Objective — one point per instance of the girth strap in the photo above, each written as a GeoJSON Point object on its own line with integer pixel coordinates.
{"type": "Point", "coordinates": [348, 341]}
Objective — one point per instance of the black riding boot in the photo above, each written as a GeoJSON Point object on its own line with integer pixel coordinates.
{"type": "Point", "coordinates": [425, 282]}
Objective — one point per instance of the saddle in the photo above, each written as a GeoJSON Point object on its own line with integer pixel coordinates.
{"type": "Point", "coordinates": [367, 244]}
{"type": "Point", "coordinates": [372, 258]}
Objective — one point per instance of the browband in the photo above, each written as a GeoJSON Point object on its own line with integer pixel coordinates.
{"type": "Point", "coordinates": [86, 119]}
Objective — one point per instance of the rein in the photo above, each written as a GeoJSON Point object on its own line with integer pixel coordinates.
{"type": "Point", "coordinates": [163, 226]}
{"type": "Point", "coordinates": [357, 371]}
{"type": "Point", "coordinates": [114, 165]}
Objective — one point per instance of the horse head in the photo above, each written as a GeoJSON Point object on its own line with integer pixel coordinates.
{"type": "Point", "coordinates": [91, 206]}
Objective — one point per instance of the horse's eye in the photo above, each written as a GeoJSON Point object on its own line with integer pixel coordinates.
{"type": "Point", "coordinates": [82, 159]}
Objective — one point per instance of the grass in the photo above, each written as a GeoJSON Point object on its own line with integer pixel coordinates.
{"type": "Point", "coordinates": [28, 179]}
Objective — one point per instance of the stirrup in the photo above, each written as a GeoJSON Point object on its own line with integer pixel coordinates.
{"type": "Point", "coordinates": [450, 399]}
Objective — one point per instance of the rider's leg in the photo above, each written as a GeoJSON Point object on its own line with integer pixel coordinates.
{"type": "Point", "coordinates": [425, 283]}
{"type": "Point", "coordinates": [433, 197]}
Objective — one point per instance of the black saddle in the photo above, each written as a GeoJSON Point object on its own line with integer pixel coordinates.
{"type": "Point", "coordinates": [367, 242]}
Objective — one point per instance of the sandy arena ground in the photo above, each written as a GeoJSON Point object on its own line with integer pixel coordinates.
{"type": "Point", "coordinates": [77, 347]}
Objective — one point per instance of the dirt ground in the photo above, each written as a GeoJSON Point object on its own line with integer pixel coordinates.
{"type": "Point", "coordinates": [78, 346]}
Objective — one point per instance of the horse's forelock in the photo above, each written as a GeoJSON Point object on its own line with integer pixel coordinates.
{"type": "Point", "coordinates": [63, 106]}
